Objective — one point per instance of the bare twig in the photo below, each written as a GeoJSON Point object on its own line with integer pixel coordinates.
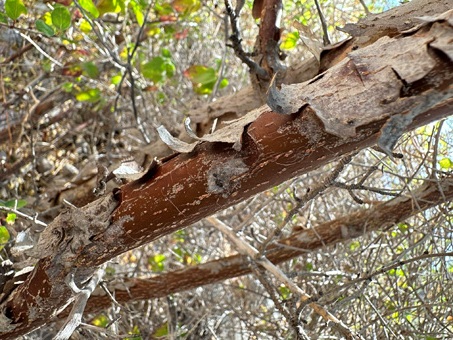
{"type": "Point", "coordinates": [40, 50]}
{"type": "Point", "coordinates": [365, 7]}
{"type": "Point", "coordinates": [308, 197]}
{"type": "Point", "coordinates": [252, 252]}
{"type": "Point", "coordinates": [325, 36]}
{"type": "Point", "coordinates": [237, 46]}
{"type": "Point", "coordinates": [21, 214]}
{"type": "Point", "coordinates": [261, 276]}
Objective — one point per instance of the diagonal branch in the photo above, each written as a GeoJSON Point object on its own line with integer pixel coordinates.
{"type": "Point", "coordinates": [299, 243]}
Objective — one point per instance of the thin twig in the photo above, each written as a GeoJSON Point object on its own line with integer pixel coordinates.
{"type": "Point", "coordinates": [21, 214]}
{"type": "Point", "coordinates": [302, 201]}
{"type": "Point", "coordinates": [247, 249]}
{"type": "Point", "coordinates": [435, 150]}
{"type": "Point", "coordinates": [237, 43]}
{"type": "Point", "coordinates": [40, 50]}
{"type": "Point", "coordinates": [325, 36]}
{"type": "Point", "coordinates": [260, 274]}
{"type": "Point", "coordinates": [365, 7]}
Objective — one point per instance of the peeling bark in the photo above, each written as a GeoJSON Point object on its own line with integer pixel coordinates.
{"type": "Point", "coordinates": [274, 148]}
{"type": "Point", "coordinates": [368, 30]}
{"type": "Point", "coordinates": [342, 229]}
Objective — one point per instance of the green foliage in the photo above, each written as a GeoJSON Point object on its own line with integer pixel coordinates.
{"type": "Point", "coordinates": [284, 291]}
{"type": "Point", "coordinates": [161, 331]}
{"type": "Point", "coordinates": [157, 262]}
{"type": "Point", "coordinates": [290, 41]}
{"type": "Point", "coordinates": [446, 163]}
{"type": "Point", "coordinates": [14, 204]}
{"type": "Point", "coordinates": [110, 6]}
{"type": "Point", "coordinates": [67, 87]}
{"type": "Point", "coordinates": [90, 95]}
{"type": "Point", "coordinates": [403, 227]}
{"type": "Point", "coordinates": [186, 6]}
{"type": "Point", "coordinates": [89, 6]}
{"type": "Point", "coordinates": [203, 79]}
{"type": "Point", "coordinates": [180, 236]}
{"type": "Point", "coordinates": [4, 236]}
{"type": "Point", "coordinates": [138, 11]}
{"type": "Point", "coordinates": [90, 69]}
{"type": "Point", "coordinates": [109, 271]}
{"type": "Point", "coordinates": [42, 27]}
{"type": "Point", "coordinates": [354, 245]}
{"type": "Point", "coordinates": [10, 218]}
{"type": "Point", "coordinates": [134, 331]}
{"type": "Point", "coordinates": [61, 18]}
{"type": "Point", "coordinates": [3, 18]}
{"type": "Point", "coordinates": [185, 257]}
{"type": "Point", "coordinates": [14, 8]}
{"type": "Point", "coordinates": [100, 321]}
{"type": "Point", "coordinates": [159, 68]}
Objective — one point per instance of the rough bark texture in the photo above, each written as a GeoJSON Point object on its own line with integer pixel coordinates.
{"type": "Point", "coordinates": [342, 229]}
{"type": "Point", "coordinates": [216, 175]}
{"type": "Point", "coordinates": [366, 31]}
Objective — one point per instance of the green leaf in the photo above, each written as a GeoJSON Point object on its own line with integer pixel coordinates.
{"type": "Point", "coordinates": [136, 8]}
{"type": "Point", "coordinates": [354, 245]}
{"type": "Point", "coordinates": [201, 74]}
{"type": "Point", "coordinates": [163, 9]}
{"type": "Point", "coordinates": [42, 27]}
{"type": "Point", "coordinates": [85, 26]}
{"type": "Point", "coordinates": [100, 321]}
{"type": "Point", "coordinates": [203, 78]}
{"type": "Point", "coordinates": [158, 68]}
{"type": "Point", "coordinates": [4, 236]}
{"type": "Point", "coordinates": [446, 163]}
{"type": "Point", "coordinates": [89, 6]}
{"type": "Point", "coordinates": [14, 8]}
{"type": "Point", "coordinates": [403, 227]}
{"type": "Point", "coordinates": [166, 53]}
{"type": "Point", "coordinates": [10, 218]}
{"type": "Point", "coordinates": [14, 204]}
{"type": "Point", "coordinates": [109, 271]}
{"type": "Point", "coordinates": [186, 6]}
{"type": "Point", "coordinates": [91, 95]}
{"type": "Point", "coordinates": [61, 18]}
{"type": "Point", "coordinates": [116, 79]}
{"type": "Point", "coordinates": [284, 292]}
{"type": "Point", "coordinates": [224, 83]}
{"type": "Point", "coordinates": [90, 69]}
{"type": "Point", "coordinates": [290, 41]}
{"type": "Point", "coordinates": [67, 87]}
{"type": "Point", "coordinates": [3, 18]}
{"type": "Point", "coordinates": [110, 6]}
{"type": "Point", "coordinates": [136, 334]}
{"type": "Point", "coordinates": [157, 262]}
{"type": "Point", "coordinates": [161, 331]}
